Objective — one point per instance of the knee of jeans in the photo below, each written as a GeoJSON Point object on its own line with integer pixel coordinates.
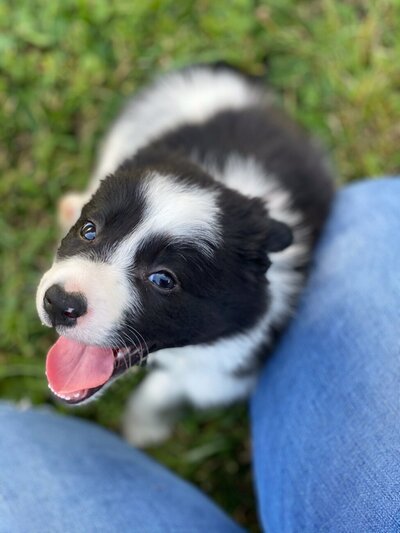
{"type": "Point", "coordinates": [377, 195]}
{"type": "Point", "coordinates": [363, 228]}
{"type": "Point", "coordinates": [356, 262]}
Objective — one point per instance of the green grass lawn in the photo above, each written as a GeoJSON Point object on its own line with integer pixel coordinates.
{"type": "Point", "coordinates": [65, 69]}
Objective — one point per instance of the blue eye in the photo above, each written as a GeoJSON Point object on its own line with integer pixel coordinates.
{"type": "Point", "coordinates": [88, 231]}
{"type": "Point", "coordinates": [163, 280]}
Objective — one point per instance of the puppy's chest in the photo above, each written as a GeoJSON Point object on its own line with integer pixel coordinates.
{"type": "Point", "coordinates": [224, 356]}
{"type": "Point", "coordinates": [198, 360]}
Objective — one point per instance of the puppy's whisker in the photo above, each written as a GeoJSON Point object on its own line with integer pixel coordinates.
{"type": "Point", "coordinates": [141, 342]}
{"type": "Point", "coordinates": [123, 345]}
{"type": "Point", "coordinates": [198, 236]}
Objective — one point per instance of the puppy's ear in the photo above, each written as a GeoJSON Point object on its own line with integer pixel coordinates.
{"type": "Point", "coordinates": [279, 236]}
{"type": "Point", "coordinates": [252, 234]}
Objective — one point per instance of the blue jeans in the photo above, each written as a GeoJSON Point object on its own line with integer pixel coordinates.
{"type": "Point", "coordinates": [325, 415]}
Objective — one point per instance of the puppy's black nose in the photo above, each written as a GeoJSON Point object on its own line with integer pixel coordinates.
{"type": "Point", "coordinates": [62, 307]}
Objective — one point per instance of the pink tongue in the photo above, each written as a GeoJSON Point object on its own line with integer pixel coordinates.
{"type": "Point", "coordinates": [71, 367]}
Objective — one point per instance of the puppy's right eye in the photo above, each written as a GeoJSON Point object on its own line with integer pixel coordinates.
{"type": "Point", "coordinates": [163, 280]}
{"type": "Point", "coordinates": [88, 231]}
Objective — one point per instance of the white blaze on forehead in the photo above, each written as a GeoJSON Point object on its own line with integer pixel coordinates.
{"type": "Point", "coordinates": [176, 209]}
{"type": "Point", "coordinates": [105, 287]}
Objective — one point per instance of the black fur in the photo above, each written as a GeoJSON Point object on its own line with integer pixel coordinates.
{"type": "Point", "coordinates": [266, 134]}
{"type": "Point", "coordinates": [227, 293]}
{"type": "Point", "coordinates": [116, 209]}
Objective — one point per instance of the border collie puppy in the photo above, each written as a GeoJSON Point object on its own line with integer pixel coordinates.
{"type": "Point", "coordinates": [188, 250]}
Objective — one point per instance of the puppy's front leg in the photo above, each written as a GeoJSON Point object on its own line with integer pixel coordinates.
{"type": "Point", "coordinates": [152, 410]}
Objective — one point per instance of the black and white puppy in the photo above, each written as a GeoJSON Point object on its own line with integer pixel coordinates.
{"type": "Point", "coordinates": [189, 248]}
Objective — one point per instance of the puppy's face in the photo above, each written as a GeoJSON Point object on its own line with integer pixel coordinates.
{"type": "Point", "coordinates": [159, 258]}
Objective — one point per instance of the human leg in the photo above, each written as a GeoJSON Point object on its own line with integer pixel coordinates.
{"type": "Point", "coordinates": [326, 412]}
{"type": "Point", "coordinates": [60, 474]}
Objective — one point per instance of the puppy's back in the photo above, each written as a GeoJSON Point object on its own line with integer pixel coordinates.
{"type": "Point", "coordinates": [189, 96]}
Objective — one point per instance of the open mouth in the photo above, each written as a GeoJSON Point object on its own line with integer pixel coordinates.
{"type": "Point", "coordinates": [76, 371]}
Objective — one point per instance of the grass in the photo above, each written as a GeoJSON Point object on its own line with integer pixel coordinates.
{"type": "Point", "coordinates": [65, 69]}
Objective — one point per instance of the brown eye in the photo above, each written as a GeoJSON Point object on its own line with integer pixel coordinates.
{"type": "Point", "coordinates": [163, 280]}
{"type": "Point", "coordinates": [88, 231]}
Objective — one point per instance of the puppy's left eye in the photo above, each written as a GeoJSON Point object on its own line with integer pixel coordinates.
{"type": "Point", "coordinates": [88, 231]}
{"type": "Point", "coordinates": [163, 280]}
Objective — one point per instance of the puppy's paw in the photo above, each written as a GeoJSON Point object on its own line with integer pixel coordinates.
{"type": "Point", "coordinates": [69, 209]}
{"type": "Point", "coordinates": [142, 432]}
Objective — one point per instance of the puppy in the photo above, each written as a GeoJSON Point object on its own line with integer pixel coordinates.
{"type": "Point", "coordinates": [188, 250]}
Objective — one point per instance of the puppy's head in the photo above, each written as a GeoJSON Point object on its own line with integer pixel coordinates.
{"type": "Point", "coordinates": [160, 257]}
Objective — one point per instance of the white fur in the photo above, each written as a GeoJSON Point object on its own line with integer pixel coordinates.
{"type": "Point", "coordinates": [205, 375]}
{"type": "Point", "coordinates": [145, 421]}
{"type": "Point", "coordinates": [191, 96]}
{"type": "Point", "coordinates": [69, 209]}
{"type": "Point", "coordinates": [176, 209]}
{"type": "Point", "coordinates": [179, 210]}
{"type": "Point", "coordinates": [202, 375]}
{"type": "Point", "coordinates": [105, 288]}
{"type": "Point", "coordinates": [249, 178]}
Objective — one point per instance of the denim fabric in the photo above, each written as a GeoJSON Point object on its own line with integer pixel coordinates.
{"type": "Point", "coordinates": [59, 474]}
{"type": "Point", "coordinates": [325, 416]}
{"type": "Point", "coordinates": [326, 413]}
